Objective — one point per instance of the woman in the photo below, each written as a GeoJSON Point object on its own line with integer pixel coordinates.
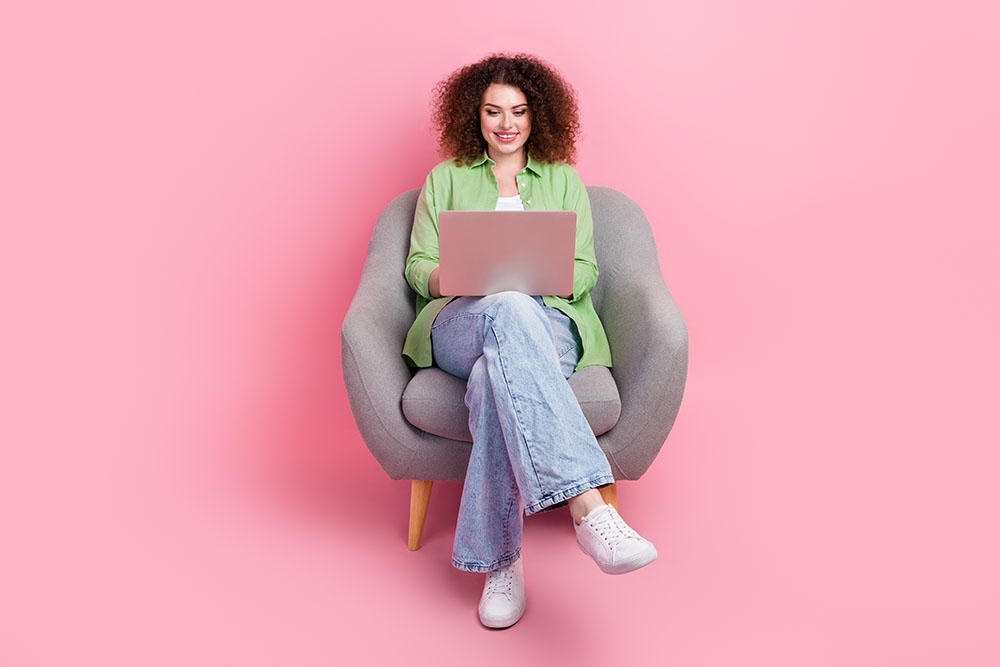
{"type": "Point", "coordinates": [510, 125]}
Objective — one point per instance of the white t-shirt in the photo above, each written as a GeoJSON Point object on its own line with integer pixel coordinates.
{"type": "Point", "coordinates": [512, 203]}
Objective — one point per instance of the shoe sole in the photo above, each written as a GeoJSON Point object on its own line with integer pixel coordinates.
{"type": "Point", "coordinates": [641, 559]}
{"type": "Point", "coordinates": [502, 622]}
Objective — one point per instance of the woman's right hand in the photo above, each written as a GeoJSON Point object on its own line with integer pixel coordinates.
{"type": "Point", "coordinates": [434, 283]}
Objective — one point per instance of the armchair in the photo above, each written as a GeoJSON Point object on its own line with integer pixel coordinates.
{"type": "Point", "coordinates": [416, 424]}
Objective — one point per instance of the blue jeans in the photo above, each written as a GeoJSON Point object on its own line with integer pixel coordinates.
{"type": "Point", "coordinates": [532, 447]}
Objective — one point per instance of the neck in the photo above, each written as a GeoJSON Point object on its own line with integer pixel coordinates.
{"type": "Point", "coordinates": [515, 161]}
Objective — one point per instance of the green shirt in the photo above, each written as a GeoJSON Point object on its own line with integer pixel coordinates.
{"type": "Point", "coordinates": [543, 186]}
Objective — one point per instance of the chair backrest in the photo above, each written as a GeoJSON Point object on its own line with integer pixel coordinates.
{"type": "Point", "coordinates": [623, 241]}
{"type": "Point", "coordinates": [382, 275]}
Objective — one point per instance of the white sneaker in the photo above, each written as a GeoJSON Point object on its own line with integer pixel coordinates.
{"type": "Point", "coordinates": [503, 600]}
{"type": "Point", "coordinates": [604, 536]}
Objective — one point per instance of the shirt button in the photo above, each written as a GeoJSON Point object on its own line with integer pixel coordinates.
{"type": "Point", "coordinates": [528, 202]}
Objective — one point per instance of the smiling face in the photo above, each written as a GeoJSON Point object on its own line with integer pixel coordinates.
{"type": "Point", "coordinates": [505, 120]}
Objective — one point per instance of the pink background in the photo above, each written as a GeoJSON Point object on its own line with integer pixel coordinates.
{"type": "Point", "coordinates": [187, 194]}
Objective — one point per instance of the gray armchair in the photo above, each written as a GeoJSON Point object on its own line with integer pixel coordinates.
{"type": "Point", "coordinates": [416, 424]}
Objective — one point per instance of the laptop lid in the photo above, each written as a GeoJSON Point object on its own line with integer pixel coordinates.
{"type": "Point", "coordinates": [484, 252]}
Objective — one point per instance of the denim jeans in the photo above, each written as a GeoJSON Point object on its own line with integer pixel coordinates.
{"type": "Point", "coordinates": [532, 447]}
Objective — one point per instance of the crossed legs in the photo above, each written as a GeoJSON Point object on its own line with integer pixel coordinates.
{"type": "Point", "coordinates": [532, 447]}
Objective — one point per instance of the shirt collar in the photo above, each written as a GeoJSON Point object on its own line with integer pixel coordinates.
{"type": "Point", "coordinates": [533, 164]}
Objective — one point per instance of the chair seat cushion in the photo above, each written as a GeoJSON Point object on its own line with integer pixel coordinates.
{"type": "Point", "coordinates": [434, 401]}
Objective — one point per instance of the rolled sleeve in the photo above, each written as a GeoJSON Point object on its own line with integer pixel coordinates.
{"type": "Point", "coordinates": [423, 256]}
{"type": "Point", "coordinates": [585, 267]}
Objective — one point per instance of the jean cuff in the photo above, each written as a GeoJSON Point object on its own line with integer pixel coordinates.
{"type": "Point", "coordinates": [574, 490]}
{"type": "Point", "coordinates": [503, 561]}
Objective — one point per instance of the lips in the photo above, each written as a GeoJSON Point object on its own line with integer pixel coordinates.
{"type": "Point", "coordinates": [509, 138]}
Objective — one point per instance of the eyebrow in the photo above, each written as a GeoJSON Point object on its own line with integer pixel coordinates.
{"type": "Point", "coordinates": [490, 104]}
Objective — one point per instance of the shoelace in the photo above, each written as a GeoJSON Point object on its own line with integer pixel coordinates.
{"type": "Point", "coordinates": [500, 581]}
{"type": "Point", "coordinates": [612, 528]}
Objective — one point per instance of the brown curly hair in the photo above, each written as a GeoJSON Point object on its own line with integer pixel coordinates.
{"type": "Point", "coordinates": [555, 123]}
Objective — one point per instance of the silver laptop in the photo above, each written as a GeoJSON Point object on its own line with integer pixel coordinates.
{"type": "Point", "coordinates": [484, 252]}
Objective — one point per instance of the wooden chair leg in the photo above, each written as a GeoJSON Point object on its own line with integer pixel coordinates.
{"type": "Point", "coordinates": [610, 494]}
{"type": "Point", "coordinates": [420, 498]}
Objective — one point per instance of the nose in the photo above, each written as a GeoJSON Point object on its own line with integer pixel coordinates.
{"type": "Point", "coordinates": [506, 122]}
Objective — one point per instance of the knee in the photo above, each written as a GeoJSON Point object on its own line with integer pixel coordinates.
{"type": "Point", "coordinates": [517, 302]}
{"type": "Point", "coordinates": [516, 308]}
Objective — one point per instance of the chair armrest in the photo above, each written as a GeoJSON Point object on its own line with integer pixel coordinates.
{"type": "Point", "coordinates": [649, 350]}
{"type": "Point", "coordinates": [375, 376]}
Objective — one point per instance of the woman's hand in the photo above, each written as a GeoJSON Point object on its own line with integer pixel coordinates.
{"type": "Point", "coordinates": [434, 283]}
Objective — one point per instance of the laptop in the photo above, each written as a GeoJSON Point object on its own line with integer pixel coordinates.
{"type": "Point", "coordinates": [484, 252]}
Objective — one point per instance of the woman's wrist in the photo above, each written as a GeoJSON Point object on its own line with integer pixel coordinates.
{"type": "Point", "coordinates": [434, 284]}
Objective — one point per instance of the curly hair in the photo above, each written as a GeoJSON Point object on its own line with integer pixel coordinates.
{"type": "Point", "coordinates": [555, 123]}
